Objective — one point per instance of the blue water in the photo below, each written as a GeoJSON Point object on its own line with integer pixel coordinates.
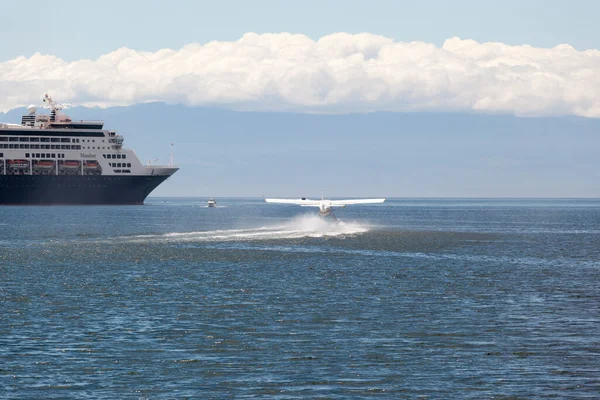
{"type": "Point", "coordinates": [435, 299]}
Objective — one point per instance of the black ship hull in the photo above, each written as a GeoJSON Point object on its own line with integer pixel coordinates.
{"type": "Point", "coordinates": [64, 189]}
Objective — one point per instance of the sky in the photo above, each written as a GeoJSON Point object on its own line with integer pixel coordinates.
{"type": "Point", "coordinates": [516, 58]}
{"type": "Point", "coordinates": [74, 30]}
{"type": "Point", "coordinates": [530, 58]}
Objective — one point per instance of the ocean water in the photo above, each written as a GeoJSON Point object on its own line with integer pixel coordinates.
{"type": "Point", "coordinates": [419, 298]}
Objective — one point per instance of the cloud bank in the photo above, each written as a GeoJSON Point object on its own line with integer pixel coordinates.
{"type": "Point", "coordinates": [338, 73]}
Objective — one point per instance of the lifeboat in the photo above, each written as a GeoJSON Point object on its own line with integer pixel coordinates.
{"type": "Point", "coordinates": [46, 164]}
{"type": "Point", "coordinates": [70, 164]}
{"type": "Point", "coordinates": [91, 164]}
{"type": "Point", "coordinates": [20, 164]}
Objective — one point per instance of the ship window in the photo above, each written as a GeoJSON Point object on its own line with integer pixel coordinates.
{"type": "Point", "coordinates": [44, 139]}
{"type": "Point", "coordinates": [65, 140]}
{"type": "Point", "coordinates": [114, 156]}
{"type": "Point", "coordinates": [3, 139]}
{"type": "Point", "coordinates": [37, 155]}
{"type": "Point", "coordinates": [55, 139]}
{"type": "Point", "coordinates": [53, 155]}
{"type": "Point", "coordinates": [43, 155]}
{"type": "Point", "coordinates": [3, 146]}
{"type": "Point", "coordinates": [24, 139]}
{"type": "Point", "coordinates": [13, 139]}
{"type": "Point", "coordinates": [128, 165]}
{"type": "Point", "coordinates": [26, 155]}
{"type": "Point", "coordinates": [34, 139]}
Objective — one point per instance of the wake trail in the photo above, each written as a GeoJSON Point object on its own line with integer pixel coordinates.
{"type": "Point", "coordinates": [300, 227]}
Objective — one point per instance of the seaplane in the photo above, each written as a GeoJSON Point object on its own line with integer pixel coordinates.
{"type": "Point", "coordinates": [325, 206]}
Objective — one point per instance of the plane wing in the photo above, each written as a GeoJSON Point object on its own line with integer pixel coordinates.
{"type": "Point", "coordinates": [317, 203]}
{"type": "Point", "coordinates": [355, 201]}
{"type": "Point", "coordinates": [300, 202]}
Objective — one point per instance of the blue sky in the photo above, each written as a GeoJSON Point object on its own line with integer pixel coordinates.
{"type": "Point", "coordinates": [74, 30]}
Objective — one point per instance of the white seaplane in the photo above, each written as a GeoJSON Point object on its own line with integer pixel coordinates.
{"type": "Point", "coordinates": [325, 206]}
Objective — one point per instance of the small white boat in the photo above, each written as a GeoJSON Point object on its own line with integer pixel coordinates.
{"type": "Point", "coordinates": [211, 203]}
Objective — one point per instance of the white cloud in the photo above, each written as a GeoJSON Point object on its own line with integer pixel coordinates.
{"type": "Point", "coordinates": [337, 73]}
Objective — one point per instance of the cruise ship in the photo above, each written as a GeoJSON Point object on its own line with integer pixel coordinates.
{"type": "Point", "coordinates": [52, 159]}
